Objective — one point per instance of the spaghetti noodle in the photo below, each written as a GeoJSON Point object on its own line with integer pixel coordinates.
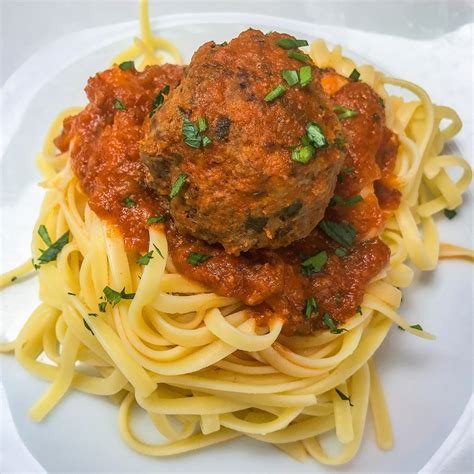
{"type": "Point", "coordinates": [197, 362]}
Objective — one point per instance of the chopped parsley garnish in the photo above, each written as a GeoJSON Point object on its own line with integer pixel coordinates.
{"type": "Point", "coordinates": [316, 135]}
{"type": "Point", "coordinates": [340, 142]}
{"type": "Point", "coordinates": [343, 233]}
{"type": "Point", "coordinates": [119, 105]}
{"type": "Point", "coordinates": [14, 278]}
{"type": "Point", "coordinates": [92, 314]}
{"type": "Point", "coordinates": [196, 258]}
{"type": "Point", "coordinates": [344, 113]}
{"type": "Point", "coordinates": [51, 253]}
{"type": "Point", "coordinates": [302, 57]}
{"type": "Point", "coordinates": [355, 75]}
{"type": "Point", "coordinates": [289, 43]}
{"type": "Point", "coordinates": [353, 200]}
{"type": "Point", "coordinates": [381, 102]}
{"type": "Point", "coordinates": [306, 75]}
{"type": "Point", "coordinates": [102, 306]}
{"type": "Point", "coordinates": [145, 259]}
{"type": "Point", "coordinates": [177, 185]}
{"type": "Point", "coordinates": [87, 326]}
{"type": "Point", "coordinates": [314, 264]}
{"type": "Point", "coordinates": [155, 220]}
{"type": "Point", "coordinates": [290, 76]}
{"type": "Point", "coordinates": [70, 293]}
{"type": "Point", "coordinates": [450, 214]}
{"type": "Point", "coordinates": [191, 133]}
{"type": "Point", "coordinates": [206, 141]}
{"type": "Point", "coordinates": [310, 307]}
{"type": "Point", "coordinates": [129, 202]}
{"type": "Point", "coordinates": [341, 252]}
{"type": "Point", "coordinates": [159, 99]}
{"type": "Point", "coordinates": [330, 323]}
{"type": "Point", "coordinates": [303, 154]}
{"type": "Point", "coordinates": [359, 309]}
{"type": "Point", "coordinates": [344, 171]}
{"type": "Point", "coordinates": [113, 297]}
{"type": "Point", "coordinates": [275, 93]}
{"type": "Point", "coordinates": [127, 65]}
{"type": "Point", "coordinates": [43, 233]}
{"type": "Point", "coordinates": [202, 124]}
{"type": "Point", "coordinates": [158, 251]}
{"type": "Point", "coordinates": [338, 299]}
{"type": "Point", "coordinates": [342, 396]}
{"type": "Point", "coordinates": [415, 326]}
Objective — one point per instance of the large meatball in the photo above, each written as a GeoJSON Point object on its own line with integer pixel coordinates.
{"type": "Point", "coordinates": [239, 150]}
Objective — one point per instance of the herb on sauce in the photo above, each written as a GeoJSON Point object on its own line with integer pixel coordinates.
{"type": "Point", "coordinates": [302, 57]}
{"type": "Point", "coordinates": [338, 299]}
{"type": "Point", "coordinates": [310, 307]}
{"type": "Point", "coordinates": [305, 75]}
{"type": "Point", "coordinates": [256, 223]}
{"type": "Point", "coordinates": [314, 264]}
{"type": "Point", "coordinates": [303, 154]}
{"type": "Point", "coordinates": [51, 253]}
{"type": "Point", "coordinates": [87, 326]}
{"type": "Point", "coordinates": [196, 258]}
{"type": "Point", "coordinates": [291, 210]}
{"type": "Point", "coordinates": [344, 397]}
{"type": "Point", "coordinates": [158, 251]}
{"type": "Point", "coordinates": [202, 124]}
{"type": "Point", "coordinates": [344, 113]}
{"type": "Point", "coordinates": [206, 141]}
{"type": "Point", "coordinates": [355, 75]}
{"type": "Point", "coordinates": [129, 202]}
{"type": "Point", "coordinates": [353, 200]}
{"type": "Point", "coordinates": [43, 233]}
{"type": "Point", "coordinates": [177, 185]}
{"type": "Point", "coordinates": [113, 297]}
{"type": "Point", "coordinates": [290, 76]}
{"type": "Point", "coordinates": [191, 133]}
{"type": "Point", "coordinates": [159, 99]}
{"type": "Point", "coordinates": [381, 102]}
{"type": "Point", "coordinates": [340, 143]}
{"type": "Point", "coordinates": [342, 232]}
{"type": "Point", "coordinates": [341, 252]}
{"type": "Point", "coordinates": [145, 259]}
{"type": "Point", "coordinates": [316, 135]}
{"type": "Point", "coordinates": [127, 65]}
{"type": "Point", "coordinates": [289, 43]}
{"type": "Point", "coordinates": [102, 306]}
{"type": "Point", "coordinates": [330, 323]}
{"type": "Point", "coordinates": [359, 310]}
{"type": "Point", "coordinates": [275, 93]}
{"type": "Point", "coordinates": [119, 105]}
{"type": "Point", "coordinates": [450, 214]}
{"type": "Point", "coordinates": [155, 220]}
{"type": "Point", "coordinates": [340, 176]}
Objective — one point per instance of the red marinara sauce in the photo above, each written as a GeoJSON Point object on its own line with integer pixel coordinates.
{"type": "Point", "coordinates": [103, 142]}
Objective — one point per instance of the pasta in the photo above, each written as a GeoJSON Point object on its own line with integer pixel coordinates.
{"type": "Point", "coordinates": [197, 362]}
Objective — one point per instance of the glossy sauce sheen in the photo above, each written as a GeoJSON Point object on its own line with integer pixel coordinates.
{"type": "Point", "coordinates": [104, 151]}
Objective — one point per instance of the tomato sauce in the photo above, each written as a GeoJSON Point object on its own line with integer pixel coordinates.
{"type": "Point", "coordinates": [103, 141]}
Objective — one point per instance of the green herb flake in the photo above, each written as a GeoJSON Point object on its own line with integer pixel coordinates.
{"type": "Point", "coordinates": [316, 135]}
{"type": "Point", "coordinates": [450, 214]}
{"type": "Point", "coordinates": [353, 200]}
{"type": "Point", "coordinates": [158, 251]}
{"type": "Point", "coordinates": [155, 220]}
{"type": "Point", "coordinates": [289, 43]}
{"type": "Point", "coordinates": [202, 124]}
{"type": "Point", "coordinates": [206, 141]}
{"type": "Point", "coordinates": [341, 252]}
{"type": "Point", "coordinates": [306, 75]}
{"type": "Point", "coordinates": [359, 309]}
{"type": "Point", "coordinates": [302, 57]}
{"type": "Point", "coordinates": [344, 113]}
{"type": "Point", "coordinates": [342, 396]}
{"type": "Point", "coordinates": [129, 202]}
{"type": "Point", "coordinates": [87, 326]}
{"type": "Point", "coordinates": [342, 232]}
{"type": "Point", "coordinates": [14, 278]}
{"type": "Point", "coordinates": [43, 233]}
{"type": "Point", "coordinates": [338, 299]}
{"type": "Point", "coordinates": [102, 306]}
{"type": "Point", "coordinates": [119, 105]}
{"type": "Point", "coordinates": [113, 297]}
{"type": "Point", "coordinates": [159, 99]}
{"type": "Point", "coordinates": [415, 326]}
{"type": "Point", "coordinates": [71, 294]}
{"type": "Point", "coordinates": [196, 258]}
{"type": "Point", "coordinates": [290, 76]}
{"type": "Point", "coordinates": [94, 315]}
{"type": "Point", "coordinates": [314, 264]}
{"type": "Point", "coordinates": [331, 325]}
{"type": "Point", "coordinates": [177, 185]}
{"type": "Point", "coordinates": [51, 253]}
{"type": "Point", "coordinates": [355, 75]}
{"type": "Point", "coordinates": [127, 65]}
{"type": "Point", "coordinates": [145, 259]}
{"type": "Point", "coordinates": [303, 154]}
{"type": "Point", "coordinates": [275, 93]}
{"type": "Point", "coordinates": [340, 143]}
{"type": "Point", "coordinates": [310, 307]}
{"type": "Point", "coordinates": [190, 133]}
{"type": "Point", "coordinates": [381, 102]}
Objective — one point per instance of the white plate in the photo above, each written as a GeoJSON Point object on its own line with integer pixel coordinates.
{"type": "Point", "coordinates": [427, 384]}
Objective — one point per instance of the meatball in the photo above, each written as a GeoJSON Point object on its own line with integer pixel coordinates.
{"type": "Point", "coordinates": [259, 170]}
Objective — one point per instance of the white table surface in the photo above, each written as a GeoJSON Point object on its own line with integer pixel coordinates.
{"type": "Point", "coordinates": [28, 25]}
